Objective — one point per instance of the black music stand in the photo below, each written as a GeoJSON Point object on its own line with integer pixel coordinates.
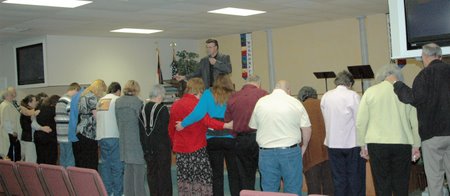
{"type": "Point", "coordinates": [361, 72]}
{"type": "Point", "coordinates": [326, 75]}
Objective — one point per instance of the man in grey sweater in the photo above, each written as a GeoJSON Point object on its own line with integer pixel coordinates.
{"type": "Point", "coordinates": [210, 66]}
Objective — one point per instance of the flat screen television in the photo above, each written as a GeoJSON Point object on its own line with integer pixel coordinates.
{"type": "Point", "coordinates": [414, 23]}
{"type": "Point", "coordinates": [30, 64]}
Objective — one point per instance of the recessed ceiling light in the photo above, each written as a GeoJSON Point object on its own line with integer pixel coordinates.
{"type": "Point", "coordinates": [50, 3]}
{"type": "Point", "coordinates": [236, 11]}
{"type": "Point", "coordinates": [14, 29]}
{"type": "Point", "coordinates": [139, 31]}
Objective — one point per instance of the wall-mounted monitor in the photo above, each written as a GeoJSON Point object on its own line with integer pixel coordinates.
{"type": "Point", "coordinates": [414, 23]}
{"type": "Point", "coordinates": [30, 64]}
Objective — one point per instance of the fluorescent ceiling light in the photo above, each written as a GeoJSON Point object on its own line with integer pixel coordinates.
{"type": "Point", "coordinates": [140, 31]}
{"type": "Point", "coordinates": [50, 3]}
{"type": "Point", "coordinates": [236, 11]}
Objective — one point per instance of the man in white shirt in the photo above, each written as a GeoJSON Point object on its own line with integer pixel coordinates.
{"type": "Point", "coordinates": [111, 168]}
{"type": "Point", "coordinates": [339, 108]}
{"type": "Point", "coordinates": [282, 122]}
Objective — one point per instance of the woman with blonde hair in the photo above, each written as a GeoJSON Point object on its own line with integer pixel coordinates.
{"type": "Point", "coordinates": [128, 108]}
{"type": "Point", "coordinates": [85, 150]}
{"type": "Point", "coordinates": [221, 143]}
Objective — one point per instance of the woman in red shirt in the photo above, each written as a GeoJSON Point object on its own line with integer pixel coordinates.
{"type": "Point", "coordinates": [194, 174]}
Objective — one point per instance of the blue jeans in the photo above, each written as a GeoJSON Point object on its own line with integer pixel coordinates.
{"type": "Point", "coordinates": [275, 164]}
{"type": "Point", "coordinates": [111, 168]}
{"type": "Point", "coordinates": [66, 158]}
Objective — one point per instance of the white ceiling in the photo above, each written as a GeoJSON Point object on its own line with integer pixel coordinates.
{"type": "Point", "coordinates": [178, 18]}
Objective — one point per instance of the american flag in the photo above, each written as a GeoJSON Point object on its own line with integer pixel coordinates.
{"type": "Point", "coordinates": [174, 64]}
{"type": "Point", "coordinates": [159, 73]}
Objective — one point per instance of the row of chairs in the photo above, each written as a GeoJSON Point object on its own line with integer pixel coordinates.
{"type": "Point", "coordinates": [260, 193]}
{"type": "Point", "coordinates": [26, 179]}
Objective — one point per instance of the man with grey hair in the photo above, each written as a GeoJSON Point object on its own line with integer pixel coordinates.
{"type": "Point", "coordinates": [391, 141]}
{"type": "Point", "coordinates": [430, 94]}
{"type": "Point", "coordinates": [13, 92]}
{"type": "Point", "coordinates": [339, 107]}
{"type": "Point", "coordinates": [282, 124]}
{"type": "Point", "coordinates": [239, 110]}
{"type": "Point", "coordinates": [23, 110]}
{"type": "Point", "coordinates": [10, 128]}
{"type": "Point", "coordinates": [155, 141]}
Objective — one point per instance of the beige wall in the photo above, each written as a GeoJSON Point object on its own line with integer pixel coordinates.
{"type": "Point", "coordinates": [301, 50]}
{"type": "Point", "coordinates": [298, 52]}
{"type": "Point", "coordinates": [84, 59]}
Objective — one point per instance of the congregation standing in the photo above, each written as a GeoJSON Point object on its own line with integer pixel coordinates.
{"type": "Point", "coordinates": [328, 140]}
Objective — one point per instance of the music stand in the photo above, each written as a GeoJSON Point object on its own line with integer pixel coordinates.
{"type": "Point", "coordinates": [326, 75]}
{"type": "Point", "coordinates": [361, 72]}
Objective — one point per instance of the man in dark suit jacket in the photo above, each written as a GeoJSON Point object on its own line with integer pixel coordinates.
{"type": "Point", "coordinates": [430, 94]}
{"type": "Point", "coordinates": [212, 65]}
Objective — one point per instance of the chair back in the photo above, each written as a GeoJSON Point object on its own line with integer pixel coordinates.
{"type": "Point", "coordinates": [56, 180]}
{"type": "Point", "coordinates": [11, 179]}
{"type": "Point", "coordinates": [32, 180]}
{"type": "Point", "coordinates": [2, 187]}
{"type": "Point", "coordinates": [86, 181]}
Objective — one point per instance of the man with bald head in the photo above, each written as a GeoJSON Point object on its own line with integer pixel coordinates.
{"type": "Point", "coordinates": [282, 122]}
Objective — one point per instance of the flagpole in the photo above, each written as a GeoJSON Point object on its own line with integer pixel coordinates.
{"type": "Point", "coordinates": [174, 66]}
{"type": "Point", "coordinates": [181, 85]}
{"type": "Point", "coordinates": [160, 78]}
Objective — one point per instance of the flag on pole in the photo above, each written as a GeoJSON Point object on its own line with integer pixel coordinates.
{"type": "Point", "coordinates": [159, 73]}
{"type": "Point", "coordinates": [174, 64]}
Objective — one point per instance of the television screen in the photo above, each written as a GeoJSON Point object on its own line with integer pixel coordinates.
{"type": "Point", "coordinates": [30, 64]}
{"type": "Point", "coordinates": [413, 23]}
{"type": "Point", "coordinates": [427, 21]}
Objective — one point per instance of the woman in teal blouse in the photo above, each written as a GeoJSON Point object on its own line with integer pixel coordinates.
{"type": "Point", "coordinates": [220, 142]}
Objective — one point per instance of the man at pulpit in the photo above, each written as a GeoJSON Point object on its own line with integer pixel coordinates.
{"type": "Point", "coordinates": [210, 66]}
